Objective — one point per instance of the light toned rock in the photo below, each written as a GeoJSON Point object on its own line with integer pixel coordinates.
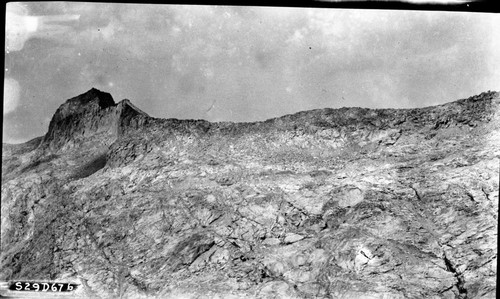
{"type": "Point", "coordinates": [271, 241]}
{"type": "Point", "coordinates": [220, 256]}
{"type": "Point", "coordinates": [292, 238]}
{"type": "Point", "coordinates": [276, 289]}
{"type": "Point", "coordinates": [350, 197]}
{"type": "Point", "coordinates": [211, 198]}
{"type": "Point", "coordinates": [299, 260]}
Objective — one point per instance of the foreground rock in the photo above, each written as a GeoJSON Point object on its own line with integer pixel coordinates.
{"type": "Point", "coordinates": [344, 203]}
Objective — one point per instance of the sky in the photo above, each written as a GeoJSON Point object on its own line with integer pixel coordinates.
{"type": "Point", "coordinates": [239, 63]}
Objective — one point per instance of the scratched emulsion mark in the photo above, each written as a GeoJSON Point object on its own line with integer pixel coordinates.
{"type": "Point", "coordinates": [20, 26]}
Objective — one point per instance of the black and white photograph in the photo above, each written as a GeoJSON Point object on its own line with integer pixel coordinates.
{"type": "Point", "coordinates": [225, 151]}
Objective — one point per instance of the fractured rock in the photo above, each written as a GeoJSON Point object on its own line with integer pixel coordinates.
{"type": "Point", "coordinates": [342, 203]}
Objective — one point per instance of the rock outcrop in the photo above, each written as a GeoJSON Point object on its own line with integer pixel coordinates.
{"type": "Point", "coordinates": [330, 203]}
{"type": "Point", "coordinates": [92, 114]}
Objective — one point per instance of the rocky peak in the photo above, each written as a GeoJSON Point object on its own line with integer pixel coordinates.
{"type": "Point", "coordinates": [104, 99]}
{"type": "Point", "coordinates": [92, 100]}
{"type": "Point", "coordinates": [90, 114]}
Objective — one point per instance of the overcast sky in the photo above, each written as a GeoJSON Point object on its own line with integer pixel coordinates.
{"type": "Point", "coordinates": [239, 63]}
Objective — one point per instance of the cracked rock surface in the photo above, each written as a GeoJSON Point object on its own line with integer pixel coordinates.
{"type": "Point", "coordinates": [330, 203]}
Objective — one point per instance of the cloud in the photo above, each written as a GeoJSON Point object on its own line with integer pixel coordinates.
{"type": "Point", "coordinates": [11, 92]}
{"type": "Point", "coordinates": [19, 26]}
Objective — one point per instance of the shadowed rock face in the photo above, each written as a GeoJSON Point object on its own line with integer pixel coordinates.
{"type": "Point", "coordinates": [330, 203]}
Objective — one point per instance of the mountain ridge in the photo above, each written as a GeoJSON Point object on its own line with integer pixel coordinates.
{"type": "Point", "coordinates": [330, 203]}
{"type": "Point", "coordinates": [123, 116]}
{"type": "Point", "coordinates": [79, 105]}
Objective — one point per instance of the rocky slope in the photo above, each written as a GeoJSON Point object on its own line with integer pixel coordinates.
{"type": "Point", "coordinates": [330, 203]}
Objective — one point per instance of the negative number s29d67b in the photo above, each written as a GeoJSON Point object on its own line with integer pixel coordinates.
{"type": "Point", "coordinates": [42, 286]}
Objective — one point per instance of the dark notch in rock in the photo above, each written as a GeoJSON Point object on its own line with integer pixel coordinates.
{"type": "Point", "coordinates": [90, 168]}
{"type": "Point", "coordinates": [460, 279]}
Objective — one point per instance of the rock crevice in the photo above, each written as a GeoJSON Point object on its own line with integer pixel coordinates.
{"type": "Point", "coordinates": [460, 284]}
